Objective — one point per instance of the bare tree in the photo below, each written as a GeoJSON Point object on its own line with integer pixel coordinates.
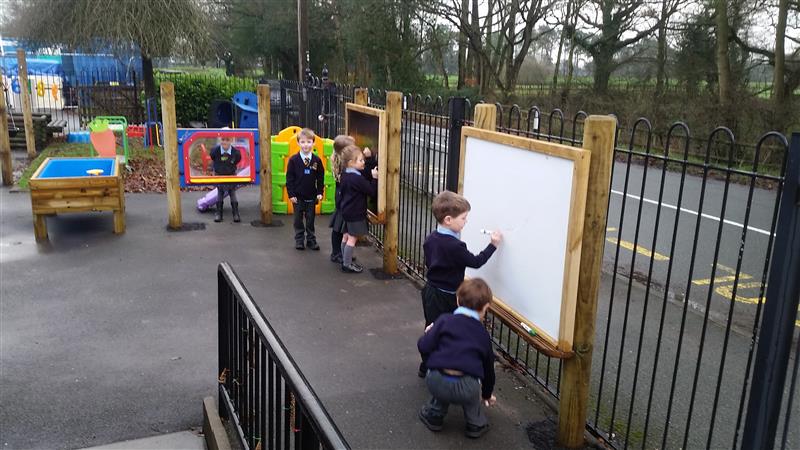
{"type": "Point", "coordinates": [462, 46]}
{"type": "Point", "coordinates": [154, 27]}
{"type": "Point", "coordinates": [564, 31]}
{"type": "Point", "coordinates": [786, 67]}
{"type": "Point", "coordinates": [501, 39]}
{"type": "Point", "coordinates": [724, 79]}
{"type": "Point", "coordinates": [668, 8]}
{"type": "Point", "coordinates": [605, 22]}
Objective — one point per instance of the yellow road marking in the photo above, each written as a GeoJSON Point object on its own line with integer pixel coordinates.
{"type": "Point", "coordinates": [726, 291]}
{"type": "Point", "coordinates": [638, 249]}
{"type": "Point", "coordinates": [725, 279]}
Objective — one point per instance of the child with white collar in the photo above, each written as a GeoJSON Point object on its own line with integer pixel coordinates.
{"type": "Point", "coordinates": [305, 184]}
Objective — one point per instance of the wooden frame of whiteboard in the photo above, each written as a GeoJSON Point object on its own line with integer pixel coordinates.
{"type": "Point", "coordinates": [380, 217]}
{"type": "Point", "coordinates": [561, 345]}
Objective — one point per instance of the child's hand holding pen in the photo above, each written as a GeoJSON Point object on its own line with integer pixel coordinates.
{"type": "Point", "coordinates": [496, 236]}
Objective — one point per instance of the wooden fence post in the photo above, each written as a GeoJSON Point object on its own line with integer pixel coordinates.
{"type": "Point", "coordinates": [265, 146]}
{"type": "Point", "coordinates": [598, 137]}
{"type": "Point", "coordinates": [170, 124]}
{"type": "Point", "coordinates": [5, 142]}
{"type": "Point", "coordinates": [486, 116]}
{"type": "Point", "coordinates": [394, 116]}
{"type": "Point", "coordinates": [25, 96]}
{"type": "Point", "coordinates": [361, 96]}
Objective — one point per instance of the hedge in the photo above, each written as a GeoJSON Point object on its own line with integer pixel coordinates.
{"type": "Point", "coordinates": [195, 92]}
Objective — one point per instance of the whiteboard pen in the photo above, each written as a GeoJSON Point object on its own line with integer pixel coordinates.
{"type": "Point", "coordinates": [530, 330]}
{"type": "Point", "coordinates": [485, 231]}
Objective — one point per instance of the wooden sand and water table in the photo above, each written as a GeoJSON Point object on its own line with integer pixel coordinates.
{"type": "Point", "coordinates": [62, 185]}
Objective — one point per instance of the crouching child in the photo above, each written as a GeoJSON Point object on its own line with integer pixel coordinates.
{"type": "Point", "coordinates": [460, 361]}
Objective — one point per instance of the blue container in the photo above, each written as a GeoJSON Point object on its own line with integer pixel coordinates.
{"type": "Point", "coordinates": [78, 137]}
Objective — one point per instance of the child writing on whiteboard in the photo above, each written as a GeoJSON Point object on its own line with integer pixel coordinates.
{"type": "Point", "coordinates": [447, 257]}
{"type": "Point", "coordinates": [461, 361]}
{"type": "Point", "coordinates": [352, 204]}
{"type": "Point", "coordinates": [339, 143]}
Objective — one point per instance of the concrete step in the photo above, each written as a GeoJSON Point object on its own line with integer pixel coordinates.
{"type": "Point", "coordinates": [184, 440]}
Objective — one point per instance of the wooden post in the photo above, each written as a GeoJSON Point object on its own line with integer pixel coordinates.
{"type": "Point", "coordinates": [361, 97]}
{"type": "Point", "coordinates": [265, 145]}
{"type": "Point", "coordinates": [5, 142]}
{"type": "Point", "coordinates": [394, 116]}
{"type": "Point", "coordinates": [598, 137]}
{"type": "Point", "coordinates": [170, 124]}
{"type": "Point", "coordinates": [25, 96]}
{"type": "Point", "coordinates": [486, 116]}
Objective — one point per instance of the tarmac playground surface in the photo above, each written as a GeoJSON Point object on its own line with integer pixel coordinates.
{"type": "Point", "coordinates": [106, 338]}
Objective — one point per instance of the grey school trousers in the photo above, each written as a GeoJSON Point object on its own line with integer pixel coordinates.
{"type": "Point", "coordinates": [464, 391]}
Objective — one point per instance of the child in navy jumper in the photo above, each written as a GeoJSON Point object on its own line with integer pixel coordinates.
{"type": "Point", "coordinates": [339, 143]}
{"type": "Point", "coordinates": [225, 158]}
{"type": "Point", "coordinates": [460, 361]}
{"type": "Point", "coordinates": [447, 257]}
{"type": "Point", "coordinates": [305, 183]}
{"type": "Point", "coordinates": [351, 204]}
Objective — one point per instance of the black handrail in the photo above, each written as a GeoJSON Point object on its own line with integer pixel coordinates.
{"type": "Point", "coordinates": [260, 386]}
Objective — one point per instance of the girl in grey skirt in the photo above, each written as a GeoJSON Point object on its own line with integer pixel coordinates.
{"type": "Point", "coordinates": [351, 204]}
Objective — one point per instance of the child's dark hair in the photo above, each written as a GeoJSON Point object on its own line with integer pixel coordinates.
{"type": "Point", "coordinates": [341, 141]}
{"type": "Point", "coordinates": [474, 294]}
{"type": "Point", "coordinates": [349, 153]}
{"type": "Point", "coordinates": [448, 203]}
{"type": "Point", "coordinates": [307, 133]}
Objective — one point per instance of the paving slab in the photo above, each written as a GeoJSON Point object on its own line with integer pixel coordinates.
{"type": "Point", "coordinates": [182, 440]}
{"type": "Point", "coordinates": [106, 338]}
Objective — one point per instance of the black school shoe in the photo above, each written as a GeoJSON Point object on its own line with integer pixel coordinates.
{"type": "Point", "coordinates": [434, 423]}
{"type": "Point", "coordinates": [299, 246]}
{"type": "Point", "coordinates": [338, 259]}
{"type": "Point", "coordinates": [352, 268]}
{"type": "Point", "coordinates": [474, 431]}
{"type": "Point", "coordinates": [313, 246]}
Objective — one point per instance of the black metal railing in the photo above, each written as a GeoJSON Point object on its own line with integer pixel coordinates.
{"type": "Point", "coordinates": [261, 389]}
{"type": "Point", "coordinates": [690, 233]}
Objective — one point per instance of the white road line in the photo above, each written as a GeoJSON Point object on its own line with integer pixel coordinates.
{"type": "Point", "coordinates": [429, 141]}
{"type": "Point", "coordinates": [689, 211]}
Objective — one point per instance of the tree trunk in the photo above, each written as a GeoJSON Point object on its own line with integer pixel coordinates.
{"type": "Point", "coordinates": [510, 74]}
{"type": "Point", "coordinates": [485, 67]}
{"type": "Point", "coordinates": [661, 57]}
{"type": "Point", "coordinates": [148, 77]}
{"type": "Point", "coordinates": [570, 60]}
{"type": "Point", "coordinates": [564, 30]}
{"type": "Point", "coordinates": [779, 72]}
{"type": "Point", "coordinates": [339, 41]}
{"type": "Point", "coordinates": [723, 59]}
{"type": "Point", "coordinates": [442, 67]}
{"type": "Point", "coordinates": [302, 38]}
{"type": "Point", "coordinates": [462, 45]}
{"type": "Point", "coordinates": [603, 66]}
{"type": "Point", "coordinates": [474, 51]}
